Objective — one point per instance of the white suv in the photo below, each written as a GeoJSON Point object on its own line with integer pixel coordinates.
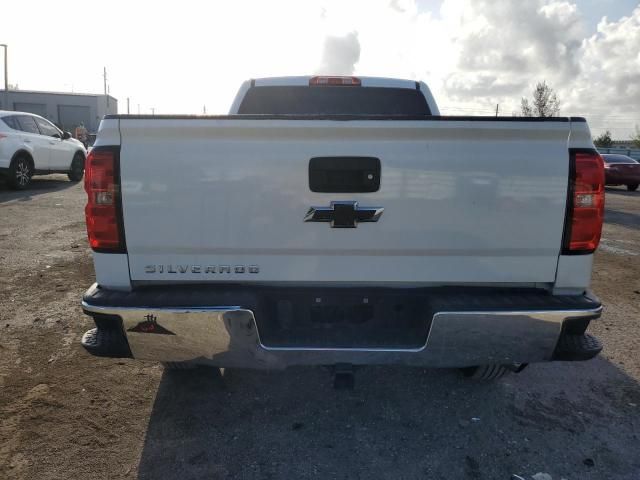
{"type": "Point", "coordinates": [30, 145]}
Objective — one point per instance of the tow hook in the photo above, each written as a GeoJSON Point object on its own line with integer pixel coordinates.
{"type": "Point", "coordinates": [344, 378]}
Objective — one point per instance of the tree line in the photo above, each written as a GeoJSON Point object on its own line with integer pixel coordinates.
{"type": "Point", "coordinates": [545, 103]}
{"type": "Point", "coordinates": [604, 140]}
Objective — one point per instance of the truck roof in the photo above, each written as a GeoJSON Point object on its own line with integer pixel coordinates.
{"type": "Point", "coordinates": [363, 82]}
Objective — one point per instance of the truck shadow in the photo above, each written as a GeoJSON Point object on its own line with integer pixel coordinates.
{"type": "Point", "coordinates": [621, 191]}
{"type": "Point", "coordinates": [396, 423]}
{"type": "Point", "coordinates": [617, 217]}
{"type": "Point", "coordinates": [38, 186]}
{"type": "Point", "coordinates": [624, 219]}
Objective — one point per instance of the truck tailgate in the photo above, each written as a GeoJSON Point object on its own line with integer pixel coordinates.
{"type": "Point", "coordinates": [225, 199]}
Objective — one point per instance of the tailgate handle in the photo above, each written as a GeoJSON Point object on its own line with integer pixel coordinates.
{"type": "Point", "coordinates": [344, 174]}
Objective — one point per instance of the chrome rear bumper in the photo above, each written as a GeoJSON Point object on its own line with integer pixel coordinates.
{"type": "Point", "coordinates": [228, 336]}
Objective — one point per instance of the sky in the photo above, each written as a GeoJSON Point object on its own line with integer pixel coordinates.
{"type": "Point", "coordinates": [190, 56]}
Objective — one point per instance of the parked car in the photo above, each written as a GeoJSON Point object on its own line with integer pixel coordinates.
{"type": "Point", "coordinates": [342, 221]}
{"type": "Point", "coordinates": [32, 145]}
{"type": "Point", "coordinates": [621, 170]}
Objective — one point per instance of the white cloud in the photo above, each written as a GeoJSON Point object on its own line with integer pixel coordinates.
{"type": "Point", "coordinates": [473, 53]}
{"type": "Point", "coordinates": [609, 81]}
{"type": "Point", "coordinates": [479, 53]}
{"type": "Point", "coordinates": [504, 47]}
{"type": "Point", "coordinates": [340, 55]}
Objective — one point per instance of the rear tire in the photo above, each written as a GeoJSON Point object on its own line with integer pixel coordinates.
{"type": "Point", "coordinates": [20, 172]}
{"type": "Point", "coordinates": [77, 168]}
{"type": "Point", "coordinates": [633, 187]}
{"type": "Point", "coordinates": [485, 372]}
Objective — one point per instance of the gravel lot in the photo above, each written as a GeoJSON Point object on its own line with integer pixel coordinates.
{"type": "Point", "coordinates": [64, 414]}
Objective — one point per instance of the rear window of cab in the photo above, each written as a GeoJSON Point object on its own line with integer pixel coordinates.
{"type": "Point", "coordinates": [333, 100]}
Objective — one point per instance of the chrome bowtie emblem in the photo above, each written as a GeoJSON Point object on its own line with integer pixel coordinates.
{"type": "Point", "coordinates": [343, 214]}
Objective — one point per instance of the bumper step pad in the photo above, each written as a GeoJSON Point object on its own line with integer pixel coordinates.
{"type": "Point", "coordinates": [106, 343]}
{"type": "Point", "coordinates": [577, 347]}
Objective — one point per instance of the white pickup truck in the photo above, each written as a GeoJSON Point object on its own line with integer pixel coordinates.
{"type": "Point", "coordinates": [343, 221]}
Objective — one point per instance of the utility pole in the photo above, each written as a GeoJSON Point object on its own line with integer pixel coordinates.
{"type": "Point", "coordinates": [204, 109]}
{"type": "Point", "coordinates": [497, 106]}
{"type": "Point", "coordinates": [153, 111]}
{"type": "Point", "coordinates": [104, 75]}
{"type": "Point", "coordinates": [127, 105]}
{"type": "Point", "coordinates": [6, 77]}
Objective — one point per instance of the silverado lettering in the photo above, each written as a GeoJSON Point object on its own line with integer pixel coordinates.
{"type": "Point", "coordinates": [151, 269]}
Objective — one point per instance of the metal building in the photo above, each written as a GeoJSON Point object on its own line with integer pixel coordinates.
{"type": "Point", "coordinates": [67, 110]}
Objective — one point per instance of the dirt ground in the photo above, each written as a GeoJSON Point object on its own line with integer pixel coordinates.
{"type": "Point", "coordinates": [67, 415]}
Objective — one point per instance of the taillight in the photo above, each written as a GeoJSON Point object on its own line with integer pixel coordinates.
{"type": "Point", "coordinates": [335, 81]}
{"type": "Point", "coordinates": [103, 211]}
{"type": "Point", "coordinates": [585, 205]}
